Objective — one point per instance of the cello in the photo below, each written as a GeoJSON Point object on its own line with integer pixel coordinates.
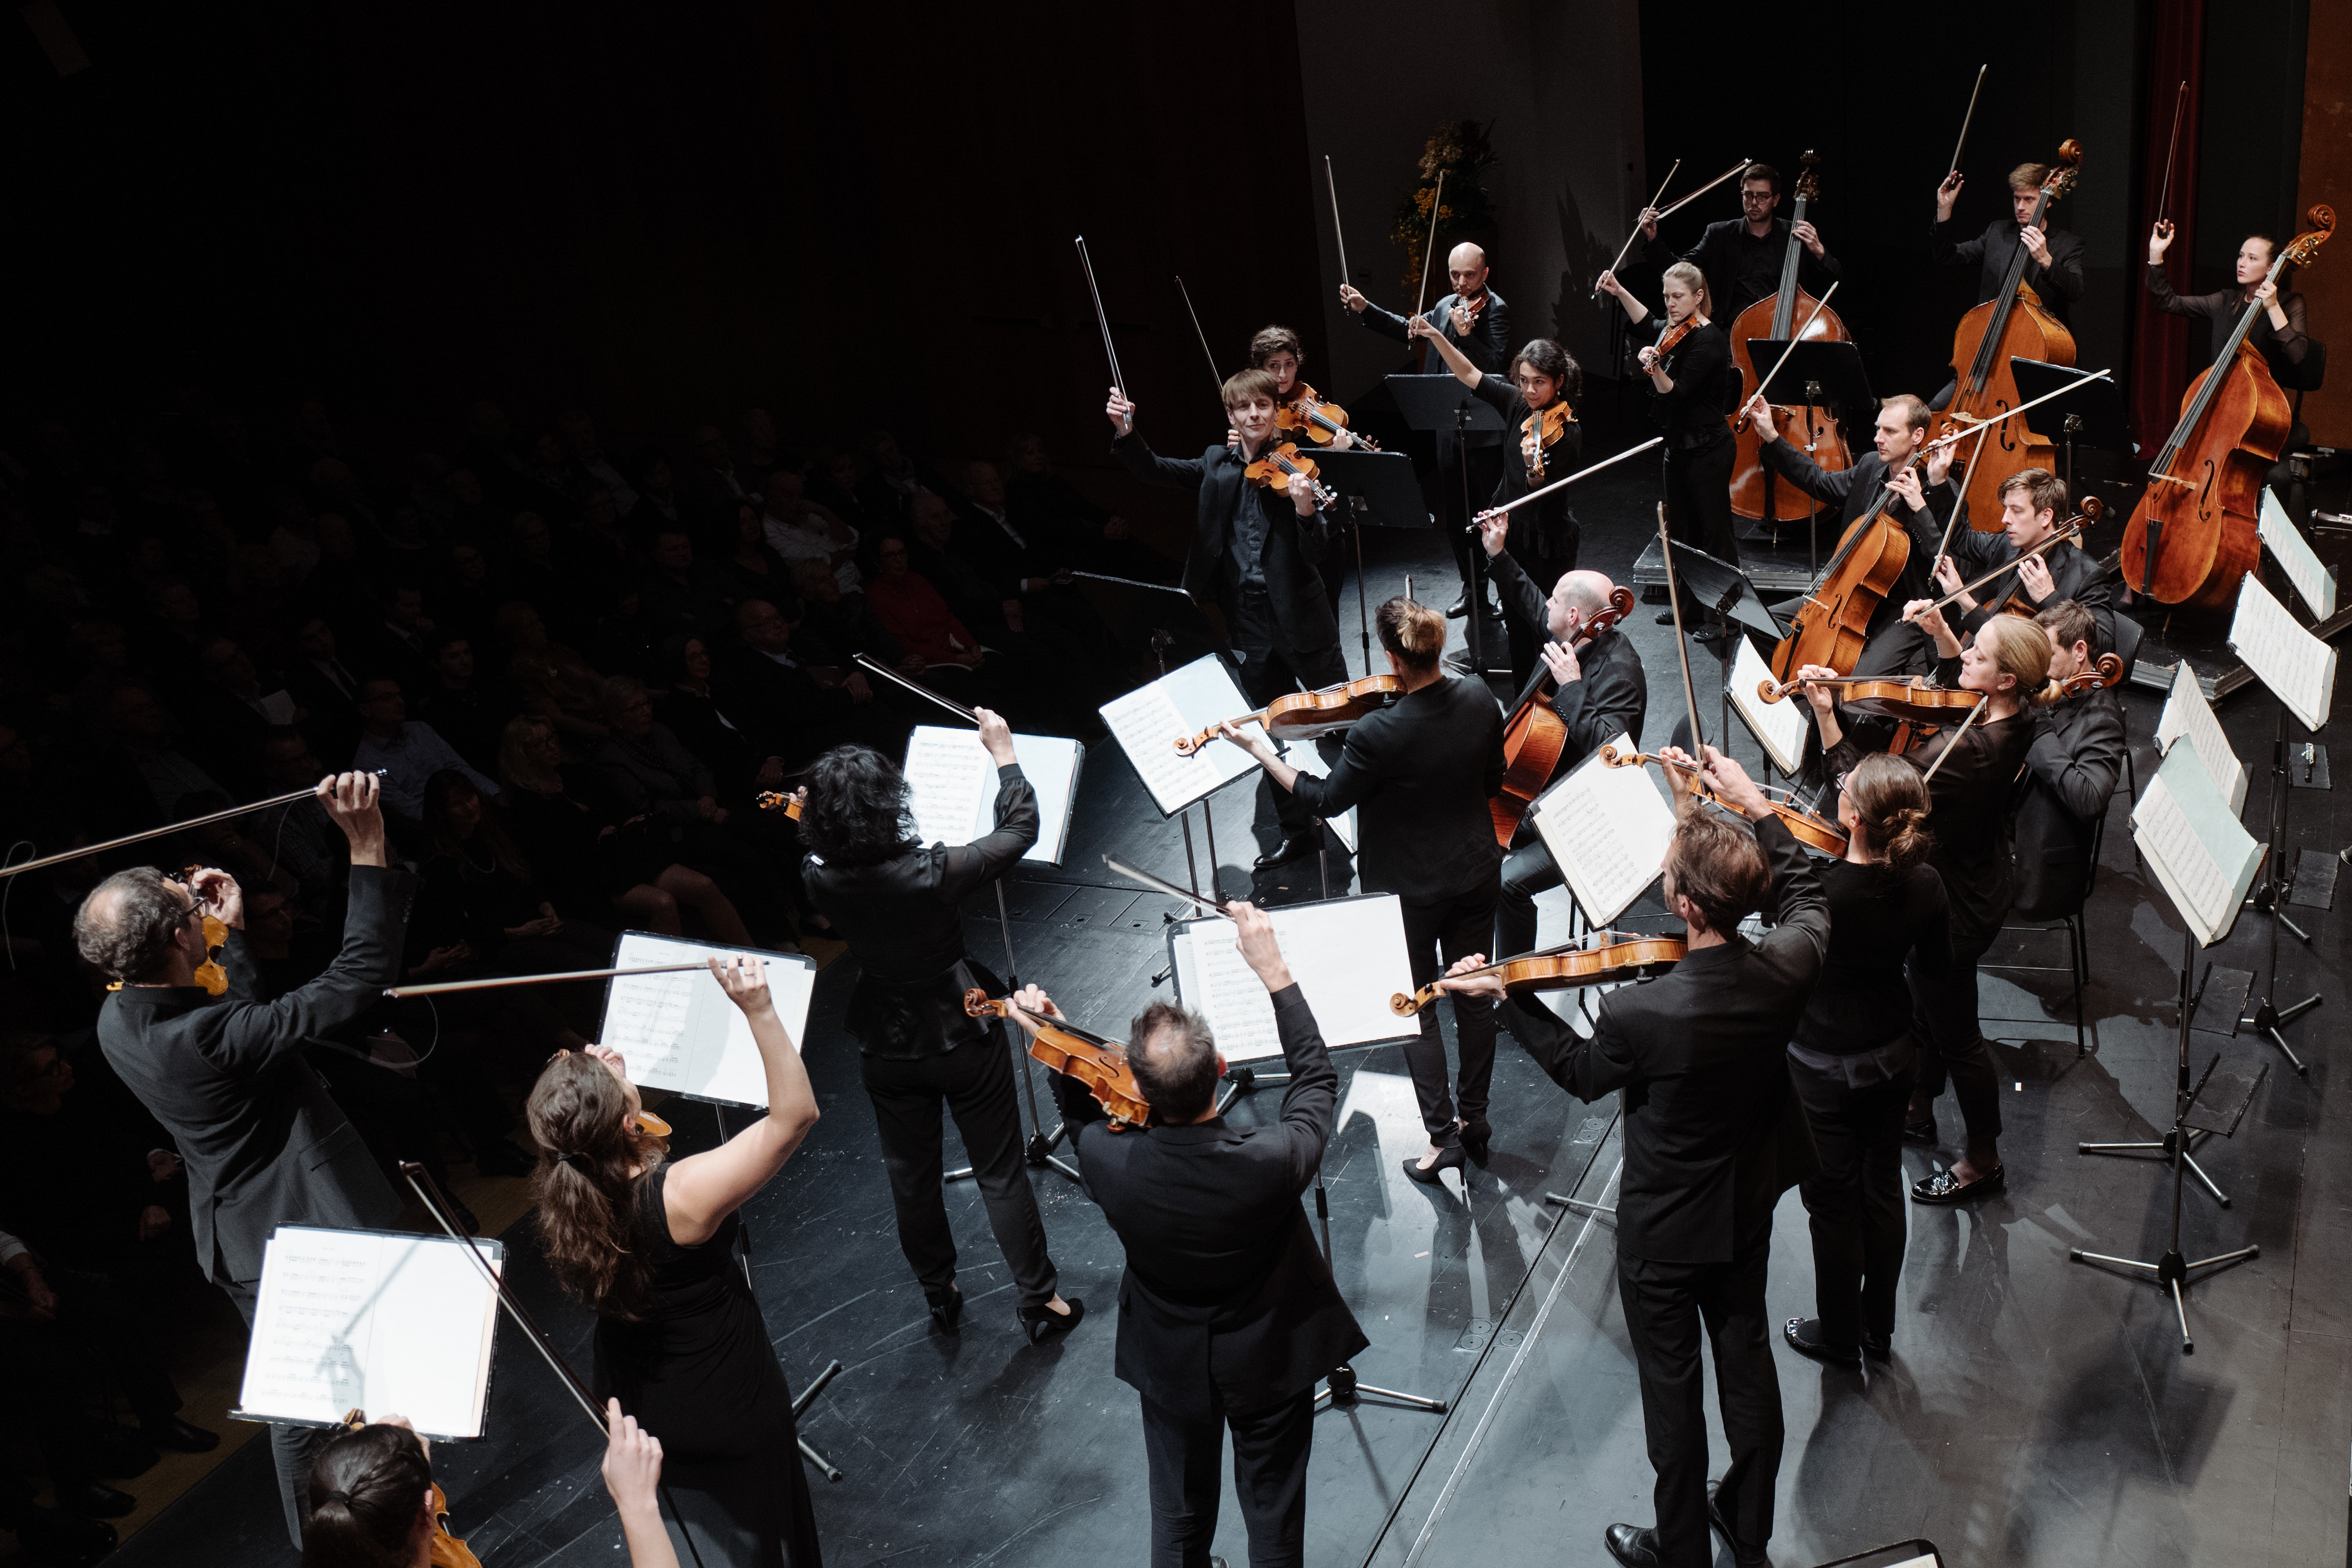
{"type": "Point", "coordinates": [2010, 325]}
{"type": "Point", "coordinates": [1754, 493]}
{"type": "Point", "coordinates": [1534, 736]}
{"type": "Point", "coordinates": [2192, 537]}
{"type": "Point", "coordinates": [1834, 623]}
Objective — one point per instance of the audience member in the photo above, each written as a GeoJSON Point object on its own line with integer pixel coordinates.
{"type": "Point", "coordinates": [459, 704]}
{"type": "Point", "coordinates": [551, 680]}
{"type": "Point", "coordinates": [800, 530]}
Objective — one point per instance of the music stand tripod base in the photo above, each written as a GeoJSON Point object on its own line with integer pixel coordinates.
{"type": "Point", "coordinates": [825, 1466]}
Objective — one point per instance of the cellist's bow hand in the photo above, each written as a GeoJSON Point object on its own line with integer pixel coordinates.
{"type": "Point", "coordinates": [1759, 413]}
{"type": "Point", "coordinates": [1121, 410]}
{"type": "Point", "coordinates": [1947, 193]}
{"type": "Point", "coordinates": [1461, 982]}
{"type": "Point", "coordinates": [1353, 299]}
{"type": "Point", "coordinates": [1940, 462]}
{"type": "Point", "coordinates": [2160, 240]}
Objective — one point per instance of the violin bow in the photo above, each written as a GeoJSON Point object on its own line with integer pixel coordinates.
{"type": "Point", "coordinates": [1954, 744]}
{"type": "Point", "coordinates": [1970, 118]}
{"type": "Point", "coordinates": [888, 674]}
{"type": "Point", "coordinates": [1681, 644]}
{"type": "Point", "coordinates": [287, 798]}
{"type": "Point", "coordinates": [1197, 333]}
{"type": "Point", "coordinates": [442, 987]}
{"type": "Point", "coordinates": [1101, 316]}
{"type": "Point", "coordinates": [1430, 249]}
{"type": "Point", "coordinates": [1561, 483]}
{"type": "Point", "coordinates": [1628, 246]}
{"type": "Point", "coordinates": [1332, 183]}
{"type": "Point", "coordinates": [1206, 906]}
{"type": "Point", "coordinates": [1977, 430]}
{"type": "Point", "coordinates": [2180, 107]}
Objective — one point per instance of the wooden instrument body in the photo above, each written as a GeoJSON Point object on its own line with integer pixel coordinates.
{"type": "Point", "coordinates": [2029, 332]}
{"type": "Point", "coordinates": [2208, 499]}
{"type": "Point", "coordinates": [1756, 491]}
{"type": "Point", "coordinates": [1303, 715]}
{"type": "Point", "coordinates": [1099, 1064]}
{"type": "Point", "coordinates": [777, 801]}
{"type": "Point", "coordinates": [1834, 623]}
{"type": "Point", "coordinates": [1534, 737]}
{"type": "Point", "coordinates": [1637, 959]}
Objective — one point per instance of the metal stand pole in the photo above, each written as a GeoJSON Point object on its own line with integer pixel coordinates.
{"type": "Point", "coordinates": [1363, 614]}
{"type": "Point", "coordinates": [1039, 1150]}
{"type": "Point", "coordinates": [1477, 586]}
{"type": "Point", "coordinates": [1341, 1390]}
{"type": "Point", "coordinates": [2270, 899]}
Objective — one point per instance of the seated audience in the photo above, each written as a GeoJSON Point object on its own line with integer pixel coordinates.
{"type": "Point", "coordinates": [408, 752]}
{"type": "Point", "coordinates": [551, 680]}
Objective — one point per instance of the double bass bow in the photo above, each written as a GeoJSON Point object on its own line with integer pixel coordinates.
{"type": "Point", "coordinates": [1612, 957]}
{"type": "Point", "coordinates": [1534, 736]}
{"type": "Point", "coordinates": [2193, 534]}
{"type": "Point", "coordinates": [1756, 491]}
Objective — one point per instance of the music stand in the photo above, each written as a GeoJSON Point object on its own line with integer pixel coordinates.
{"type": "Point", "coordinates": [1823, 372]}
{"type": "Point", "coordinates": [1437, 404]}
{"type": "Point", "coordinates": [1722, 589]}
{"type": "Point", "coordinates": [2093, 411]}
{"type": "Point", "coordinates": [1379, 489]}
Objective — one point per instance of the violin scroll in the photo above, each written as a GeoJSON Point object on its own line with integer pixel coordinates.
{"type": "Point", "coordinates": [777, 801]}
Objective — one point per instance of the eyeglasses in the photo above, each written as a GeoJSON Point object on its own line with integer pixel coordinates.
{"type": "Point", "coordinates": [1842, 778]}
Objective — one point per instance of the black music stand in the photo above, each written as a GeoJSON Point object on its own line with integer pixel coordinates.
{"type": "Point", "coordinates": [2088, 411]}
{"type": "Point", "coordinates": [1377, 488]}
{"type": "Point", "coordinates": [1437, 404]}
{"type": "Point", "coordinates": [1720, 588]}
{"type": "Point", "coordinates": [1823, 372]}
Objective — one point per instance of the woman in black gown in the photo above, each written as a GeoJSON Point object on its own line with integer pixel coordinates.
{"type": "Point", "coordinates": [650, 1246]}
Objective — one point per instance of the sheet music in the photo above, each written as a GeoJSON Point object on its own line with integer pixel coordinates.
{"type": "Point", "coordinates": [680, 1032]}
{"type": "Point", "coordinates": [1303, 755]}
{"type": "Point", "coordinates": [2314, 581]}
{"type": "Point", "coordinates": [1347, 955]}
{"type": "Point", "coordinates": [1781, 726]}
{"type": "Point", "coordinates": [2297, 666]}
{"type": "Point", "coordinates": [2187, 713]}
{"type": "Point", "coordinates": [1146, 721]}
{"type": "Point", "coordinates": [953, 781]}
{"type": "Point", "coordinates": [362, 1320]}
{"type": "Point", "coordinates": [1607, 828]}
{"type": "Point", "coordinates": [2201, 855]}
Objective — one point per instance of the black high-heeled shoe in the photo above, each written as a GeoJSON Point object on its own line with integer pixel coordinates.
{"type": "Point", "coordinates": [947, 1310]}
{"type": "Point", "coordinates": [1476, 1137]}
{"type": "Point", "coordinates": [1042, 1322]}
{"type": "Point", "coordinates": [1447, 1159]}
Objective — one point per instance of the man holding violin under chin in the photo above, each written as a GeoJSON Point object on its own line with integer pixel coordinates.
{"type": "Point", "coordinates": [1227, 1314]}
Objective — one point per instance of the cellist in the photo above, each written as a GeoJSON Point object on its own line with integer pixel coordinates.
{"type": "Point", "coordinates": [2031, 502]}
{"type": "Point", "coordinates": [2277, 333]}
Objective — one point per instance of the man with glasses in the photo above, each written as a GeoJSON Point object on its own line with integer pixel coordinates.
{"type": "Point", "coordinates": [1741, 256]}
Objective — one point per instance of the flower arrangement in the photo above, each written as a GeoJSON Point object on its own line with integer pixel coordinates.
{"type": "Point", "coordinates": [1458, 149]}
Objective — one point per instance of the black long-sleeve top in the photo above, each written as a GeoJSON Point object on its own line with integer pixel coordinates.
{"type": "Point", "coordinates": [1545, 529]}
{"type": "Point", "coordinates": [2282, 350]}
{"type": "Point", "coordinates": [1741, 268]}
{"type": "Point", "coordinates": [1706, 390]}
{"type": "Point", "coordinates": [1488, 345]}
{"type": "Point", "coordinates": [1609, 697]}
{"type": "Point", "coordinates": [1880, 921]}
{"type": "Point", "coordinates": [2057, 286]}
{"type": "Point", "coordinates": [2070, 773]}
{"type": "Point", "coordinates": [1420, 772]}
{"type": "Point", "coordinates": [2074, 574]}
{"type": "Point", "coordinates": [901, 916]}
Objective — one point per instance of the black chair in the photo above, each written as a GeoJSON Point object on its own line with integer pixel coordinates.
{"type": "Point", "coordinates": [2078, 941]}
{"type": "Point", "coordinates": [2129, 634]}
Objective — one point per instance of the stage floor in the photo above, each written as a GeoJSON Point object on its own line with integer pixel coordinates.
{"type": "Point", "coordinates": [2037, 1410]}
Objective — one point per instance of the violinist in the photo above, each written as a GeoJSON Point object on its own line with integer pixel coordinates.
{"type": "Point", "coordinates": [2055, 272]}
{"type": "Point", "coordinates": [1701, 1056]}
{"type": "Point", "coordinates": [1536, 403]}
{"type": "Point", "coordinates": [897, 903]}
{"type": "Point", "coordinates": [1851, 1059]}
{"type": "Point", "coordinates": [1601, 693]}
{"type": "Point", "coordinates": [1475, 319]}
{"type": "Point", "coordinates": [1254, 554]}
{"type": "Point", "coordinates": [2070, 773]}
{"type": "Point", "coordinates": [2031, 502]}
{"type": "Point", "coordinates": [1693, 388]}
{"type": "Point", "coordinates": [2278, 331]}
{"type": "Point", "coordinates": [1276, 352]}
{"type": "Point", "coordinates": [1743, 255]}
{"type": "Point", "coordinates": [1422, 771]}
{"type": "Point", "coordinates": [1227, 1311]}
{"type": "Point", "coordinates": [2008, 660]}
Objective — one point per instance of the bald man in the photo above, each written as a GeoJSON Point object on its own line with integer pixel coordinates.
{"type": "Point", "coordinates": [1475, 320]}
{"type": "Point", "coordinates": [1601, 694]}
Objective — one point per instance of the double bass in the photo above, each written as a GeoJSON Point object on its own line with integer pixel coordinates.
{"type": "Point", "coordinates": [2013, 324]}
{"type": "Point", "coordinates": [1834, 623]}
{"type": "Point", "coordinates": [1534, 736]}
{"type": "Point", "coordinates": [2192, 537]}
{"type": "Point", "coordinates": [1754, 492]}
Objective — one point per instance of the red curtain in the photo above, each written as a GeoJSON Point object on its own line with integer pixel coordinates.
{"type": "Point", "coordinates": [2159, 358]}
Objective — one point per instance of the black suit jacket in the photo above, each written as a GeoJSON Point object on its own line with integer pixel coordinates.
{"type": "Point", "coordinates": [2072, 575]}
{"type": "Point", "coordinates": [1701, 1055]}
{"type": "Point", "coordinates": [2058, 286]}
{"type": "Point", "coordinates": [2070, 773]}
{"type": "Point", "coordinates": [1610, 697]}
{"type": "Point", "coordinates": [1291, 547]}
{"type": "Point", "coordinates": [263, 1142]}
{"type": "Point", "coordinates": [1225, 1290]}
{"type": "Point", "coordinates": [1741, 270]}
{"type": "Point", "coordinates": [1420, 773]}
{"type": "Point", "coordinates": [1488, 345]}
{"type": "Point", "coordinates": [1854, 489]}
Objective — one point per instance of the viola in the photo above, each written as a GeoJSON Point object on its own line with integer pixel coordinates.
{"type": "Point", "coordinates": [1672, 337]}
{"type": "Point", "coordinates": [1834, 622]}
{"type": "Point", "coordinates": [1540, 430]}
{"type": "Point", "coordinates": [1098, 1063]}
{"type": "Point", "coordinates": [1914, 699]}
{"type": "Point", "coordinates": [777, 801]}
{"type": "Point", "coordinates": [1319, 421]}
{"type": "Point", "coordinates": [2107, 670]}
{"type": "Point", "coordinates": [2013, 324]}
{"type": "Point", "coordinates": [1281, 466]}
{"type": "Point", "coordinates": [1534, 736]}
{"type": "Point", "coordinates": [1620, 956]}
{"type": "Point", "coordinates": [1807, 828]}
{"type": "Point", "coordinates": [448, 1551]}
{"type": "Point", "coordinates": [2193, 535]}
{"type": "Point", "coordinates": [1756, 491]}
{"type": "Point", "coordinates": [1302, 715]}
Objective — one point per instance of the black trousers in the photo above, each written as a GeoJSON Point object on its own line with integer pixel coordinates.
{"type": "Point", "coordinates": [1270, 1448]}
{"type": "Point", "coordinates": [1528, 871]}
{"type": "Point", "coordinates": [1698, 498]}
{"type": "Point", "coordinates": [1855, 1201]}
{"type": "Point", "coordinates": [1435, 935]}
{"type": "Point", "coordinates": [1666, 1305]}
{"type": "Point", "coordinates": [974, 1082]}
{"type": "Point", "coordinates": [1952, 1043]}
{"type": "Point", "coordinates": [292, 1448]}
{"type": "Point", "coordinates": [1274, 665]}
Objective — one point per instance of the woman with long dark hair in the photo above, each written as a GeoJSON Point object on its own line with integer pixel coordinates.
{"type": "Point", "coordinates": [1852, 1061]}
{"type": "Point", "coordinates": [899, 907]}
{"type": "Point", "coordinates": [648, 1245]}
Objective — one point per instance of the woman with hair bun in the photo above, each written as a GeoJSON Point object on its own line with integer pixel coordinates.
{"type": "Point", "coordinates": [1422, 770]}
{"type": "Point", "coordinates": [1851, 1061]}
{"type": "Point", "coordinates": [2009, 660]}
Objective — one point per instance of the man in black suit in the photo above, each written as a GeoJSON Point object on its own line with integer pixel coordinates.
{"type": "Point", "coordinates": [1598, 692]}
{"type": "Point", "coordinates": [2070, 775]}
{"type": "Point", "coordinates": [1254, 554]}
{"type": "Point", "coordinates": [2054, 267]}
{"type": "Point", "coordinates": [1227, 1314]}
{"type": "Point", "coordinates": [1741, 256]}
{"type": "Point", "coordinates": [2031, 502]}
{"type": "Point", "coordinates": [1475, 319]}
{"type": "Point", "coordinates": [1700, 1055]}
{"type": "Point", "coordinates": [264, 1144]}
{"type": "Point", "coordinates": [808, 708]}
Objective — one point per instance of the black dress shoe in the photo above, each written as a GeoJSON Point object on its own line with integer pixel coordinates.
{"type": "Point", "coordinates": [1476, 1137]}
{"type": "Point", "coordinates": [947, 1308]}
{"type": "Point", "coordinates": [1879, 1348]}
{"type": "Point", "coordinates": [1804, 1337]}
{"type": "Point", "coordinates": [1293, 847]}
{"type": "Point", "coordinates": [1921, 1132]}
{"type": "Point", "coordinates": [1635, 1547]}
{"type": "Point", "coordinates": [94, 1499]}
{"type": "Point", "coordinates": [1450, 1159]}
{"type": "Point", "coordinates": [1042, 1322]}
{"type": "Point", "coordinates": [179, 1436]}
{"type": "Point", "coordinates": [1944, 1187]}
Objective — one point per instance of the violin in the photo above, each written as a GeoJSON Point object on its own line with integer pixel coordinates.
{"type": "Point", "coordinates": [1621, 956]}
{"type": "Point", "coordinates": [2107, 670]}
{"type": "Point", "coordinates": [1101, 1064]}
{"type": "Point", "coordinates": [2194, 534]}
{"type": "Point", "coordinates": [448, 1551]}
{"type": "Point", "coordinates": [1319, 421]}
{"type": "Point", "coordinates": [1540, 430]}
{"type": "Point", "coordinates": [777, 801]}
{"type": "Point", "coordinates": [1756, 491]}
{"type": "Point", "coordinates": [1302, 715]}
{"type": "Point", "coordinates": [1671, 338]}
{"type": "Point", "coordinates": [1472, 308]}
{"type": "Point", "coordinates": [1534, 737]}
{"type": "Point", "coordinates": [1281, 466]}
{"type": "Point", "coordinates": [1914, 699]}
{"type": "Point", "coordinates": [1812, 832]}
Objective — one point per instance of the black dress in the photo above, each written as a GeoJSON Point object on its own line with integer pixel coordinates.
{"type": "Point", "coordinates": [1544, 536]}
{"type": "Point", "coordinates": [699, 1374]}
{"type": "Point", "coordinates": [1694, 420]}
